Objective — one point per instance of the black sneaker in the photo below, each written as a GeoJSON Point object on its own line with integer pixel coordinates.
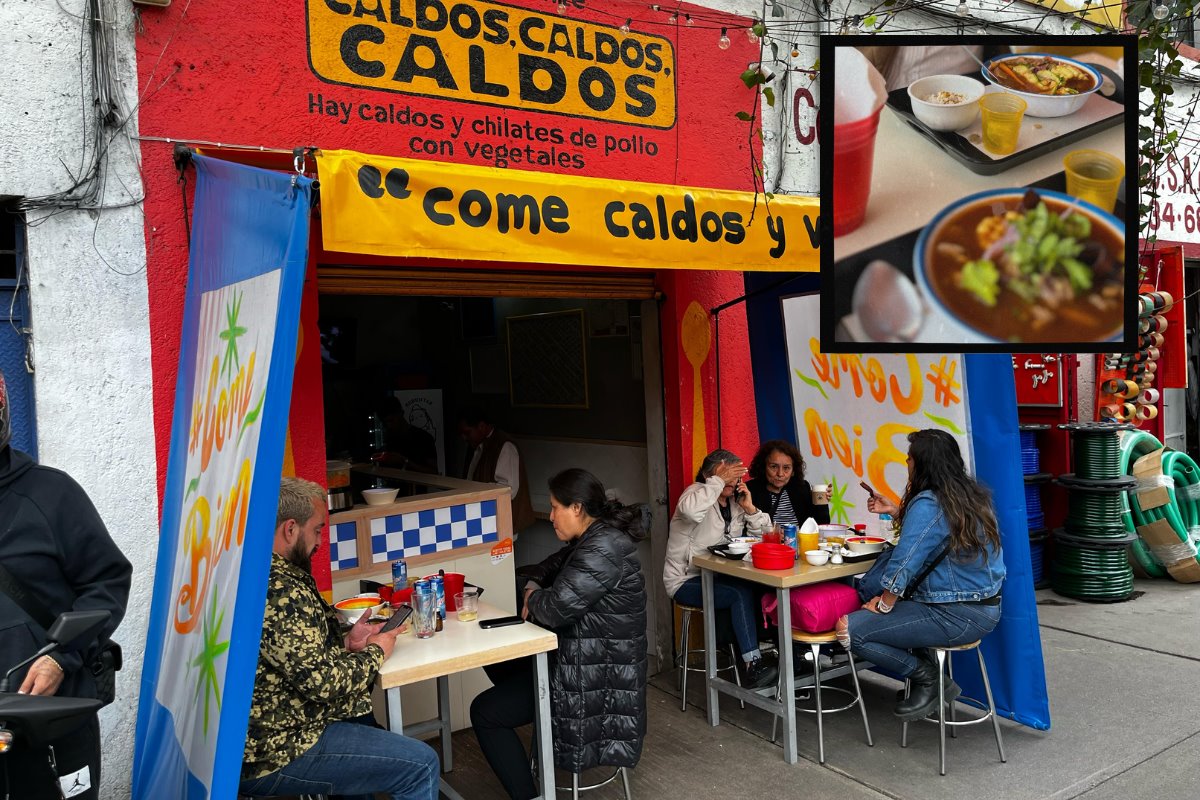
{"type": "Point", "coordinates": [760, 673]}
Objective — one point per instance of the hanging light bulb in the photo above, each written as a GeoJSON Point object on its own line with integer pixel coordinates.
{"type": "Point", "coordinates": [688, 20]}
{"type": "Point", "coordinates": [845, 29]}
{"type": "Point", "coordinates": [562, 7]}
{"type": "Point", "coordinates": [673, 19]}
{"type": "Point", "coordinates": [625, 28]}
{"type": "Point", "coordinates": [751, 35]}
{"type": "Point", "coordinates": [723, 42]}
{"type": "Point", "coordinates": [1160, 9]}
{"type": "Point", "coordinates": [962, 8]}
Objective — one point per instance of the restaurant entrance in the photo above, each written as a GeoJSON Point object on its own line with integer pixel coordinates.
{"type": "Point", "coordinates": [569, 365]}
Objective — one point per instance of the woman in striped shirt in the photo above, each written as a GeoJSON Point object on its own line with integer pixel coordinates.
{"type": "Point", "coordinates": [778, 486]}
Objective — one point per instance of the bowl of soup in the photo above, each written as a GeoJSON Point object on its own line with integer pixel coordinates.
{"type": "Point", "coordinates": [1024, 266]}
{"type": "Point", "coordinates": [350, 609]}
{"type": "Point", "coordinates": [1051, 86]}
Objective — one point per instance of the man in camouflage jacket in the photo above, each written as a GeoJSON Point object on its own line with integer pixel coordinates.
{"type": "Point", "coordinates": [311, 729]}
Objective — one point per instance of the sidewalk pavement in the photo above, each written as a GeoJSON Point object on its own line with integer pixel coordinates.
{"type": "Point", "coordinates": [1124, 724]}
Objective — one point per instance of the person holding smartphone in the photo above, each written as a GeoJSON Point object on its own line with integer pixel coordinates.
{"type": "Point", "coordinates": [777, 485]}
{"type": "Point", "coordinates": [715, 507]}
{"type": "Point", "coordinates": [940, 586]}
{"type": "Point", "coordinates": [592, 593]}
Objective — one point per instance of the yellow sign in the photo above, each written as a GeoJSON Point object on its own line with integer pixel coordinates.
{"type": "Point", "coordinates": [500, 55]}
{"type": "Point", "coordinates": [404, 207]}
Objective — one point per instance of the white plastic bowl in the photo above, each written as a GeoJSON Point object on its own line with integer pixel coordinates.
{"type": "Point", "coordinates": [865, 544]}
{"type": "Point", "coordinates": [349, 616]}
{"type": "Point", "coordinates": [943, 117]}
{"type": "Point", "coordinates": [1044, 105]}
{"type": "Point", "coordinates": [379, 497]}
{"type": "Point", "coordinates": [816, 557]}
{"type": "Point", "coordinates": [737, 547]}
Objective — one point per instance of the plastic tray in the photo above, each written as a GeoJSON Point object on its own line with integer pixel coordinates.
{"type": "Point", "coordinates": [979, 162]}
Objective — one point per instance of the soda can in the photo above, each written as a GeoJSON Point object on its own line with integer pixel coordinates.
{"type": "Point", "coordinates": [422, 586]}
{"type": "Point", "coordinates": [438, 583]}
{"type": "Point", "coordinates": [790, 533]}
{"type": "Point", "coordinates": [399, 575]}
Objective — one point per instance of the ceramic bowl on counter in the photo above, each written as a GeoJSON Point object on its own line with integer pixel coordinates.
{"type": "Point", "coordinates": [379, 497]}
{"type": "Point", "coordinates": [946, 102]}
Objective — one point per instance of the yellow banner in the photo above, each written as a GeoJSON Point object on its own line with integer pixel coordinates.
{"type": "Point", "coordinates": [405, 207]}
{"type": "Point", "coordinates": [496, 54]}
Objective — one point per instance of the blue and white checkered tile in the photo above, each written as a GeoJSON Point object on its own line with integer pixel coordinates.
{"type": "Point", "coordinates": [433, 531]}
{"type": "Point", "coordinates": [343, 551]}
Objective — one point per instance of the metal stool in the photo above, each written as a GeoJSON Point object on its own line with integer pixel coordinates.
{"type": "Point", "coordinates": [814, 641]}
{"type": "Point", "coordinates": [946, 665]}
{"type": "Point", "coordinates": [575, 788]}
{"type": "Point", "coordinates": [683, 657]}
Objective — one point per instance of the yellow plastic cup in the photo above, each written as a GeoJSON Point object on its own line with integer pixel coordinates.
{"type": "Point", "coordinates": [1001, 115]}
{"type": "Point", "coordinates": [1094, 176]}
{"type": "Point", "coordinates": [807, 541]}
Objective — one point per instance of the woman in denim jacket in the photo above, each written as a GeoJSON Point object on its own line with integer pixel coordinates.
{"type": "Point", "coordinates": [944, 510]}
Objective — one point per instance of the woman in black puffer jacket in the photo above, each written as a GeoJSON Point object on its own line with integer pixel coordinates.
{"type": "Point", "coordinates": [593, 595]}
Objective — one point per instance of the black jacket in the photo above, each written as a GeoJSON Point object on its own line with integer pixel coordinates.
{"type": "Point", "coordinates": [596, 603]}
{"type": "Point", "coordinates": [54, 543]}
{"type": "Point", "coordinates": [801, 496]}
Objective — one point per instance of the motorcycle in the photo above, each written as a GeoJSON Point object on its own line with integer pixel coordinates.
{"type": "Point", "coordinates": [38, 720]}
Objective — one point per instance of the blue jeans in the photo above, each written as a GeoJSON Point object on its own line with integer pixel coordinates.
{"type": "Point", "coordinates": [886, 639]}
{"type": "Point", "coordinates": [354, 759]}
{"type": "Point", "coordinates": [735, 595]}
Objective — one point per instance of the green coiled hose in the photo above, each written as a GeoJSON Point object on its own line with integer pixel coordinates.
{"type": "Point", "coordinates": [1097, 457]}
{"type": "Point", "coordinates": [1182, 513]}
{"type": "Point", "coordinates": [1134, 445]}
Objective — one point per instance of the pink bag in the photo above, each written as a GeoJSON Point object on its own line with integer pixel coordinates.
{"type": "Point", "coordinates": [815, 608]}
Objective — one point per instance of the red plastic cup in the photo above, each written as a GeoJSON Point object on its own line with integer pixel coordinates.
{"type": "Point", "coordinates": [853, 157]}
{"type": "Point", "coordinates": [773, 537]}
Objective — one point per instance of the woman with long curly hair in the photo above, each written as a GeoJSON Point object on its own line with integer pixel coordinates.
{"type": "Point", "coordinates": [777, 485]}
{"type": "Point", "coordinates": [941, 585]}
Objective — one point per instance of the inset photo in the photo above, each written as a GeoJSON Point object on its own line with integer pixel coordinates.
{"type": "Point", "coordinates": [976, 193]}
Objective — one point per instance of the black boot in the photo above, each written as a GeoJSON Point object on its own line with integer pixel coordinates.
{"type": "Point", "coordinates": [759, 673]}
{"type": "Point", "coordinates": [923, 697]}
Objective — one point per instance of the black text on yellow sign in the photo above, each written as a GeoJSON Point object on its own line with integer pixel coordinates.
{"type": "Point", "coordinates": [403, 207]}
{"type": "Point", "coordinates": [491, 53]}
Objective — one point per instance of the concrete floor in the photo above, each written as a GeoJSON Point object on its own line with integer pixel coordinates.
{"type": "Point", "coordinates": [1121, 681]}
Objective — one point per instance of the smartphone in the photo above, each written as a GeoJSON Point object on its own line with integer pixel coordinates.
{"type": "Point", "coordinates": [500, 622]}
{"type": "Point", "coordinates": [397, 619]}
{"type": "Point", "coordinates": [867, 486]}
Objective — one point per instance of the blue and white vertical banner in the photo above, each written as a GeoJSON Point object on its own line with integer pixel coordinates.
{"type": "Point", "coordinates": [233, 393]}
{"type": "Point", "coordinates": [851, 414]}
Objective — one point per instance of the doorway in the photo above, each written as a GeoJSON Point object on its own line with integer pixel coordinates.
{"type": "Point", "coordinates": [574, 379]}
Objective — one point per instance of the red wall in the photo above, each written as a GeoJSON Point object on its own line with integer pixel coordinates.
{"type": "Point", "coordinates": [237, 72]}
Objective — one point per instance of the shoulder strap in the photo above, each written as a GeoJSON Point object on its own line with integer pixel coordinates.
{"type": "Point", "coordinates": [930, 567]}
{"type": "Point", "coordinates": [13, 588]}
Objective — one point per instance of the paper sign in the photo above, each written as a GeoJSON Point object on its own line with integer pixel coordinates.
{"type": "Point", "coordinates": [502, 550]}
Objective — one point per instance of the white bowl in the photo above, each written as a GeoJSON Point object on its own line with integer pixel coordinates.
{"type": "Point", "coordinates": [379, 497]}
{"type": "Point", "coordinates": [1043, 105]}
{"type": "Point", "coordinates": [816, 557]}
{"type": "Point", "coordinates": [737, 547]}
{"type": "Point", "coordinates": [865, 544]}
{"type": "Point", "coordinates": [349, 616]}
{"type": "Point", "coordinates": [946, 117]}
{"type": "Point", "coordinates": [958, 328]}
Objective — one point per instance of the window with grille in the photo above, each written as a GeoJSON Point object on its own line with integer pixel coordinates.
{"type": "Point", "coordinates": [15, 331]}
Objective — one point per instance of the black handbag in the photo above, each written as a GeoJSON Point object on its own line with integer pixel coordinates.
{"type": "Point", "coordinates": [104, 666]}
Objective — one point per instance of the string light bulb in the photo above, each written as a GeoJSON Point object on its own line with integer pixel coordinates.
{"type": "Point", "coordinates": [845, 29]}
{"type": "Point", "coordinates": [962, 8]}
{"type": "Point", "coordinates": [1160, 10]}
{"type": "Point", "coordinates": [723, 42]}
{"type": "Point", "coordinates": [673, 19]}
{"type": "Point", "coordinates": [562, 7]}
{"type": "Point", "coordinates": [625, 28]}
{"type": "Point", "coordinates": [751, 35]}
{"type": "Point", "coordinates": [687, 18]}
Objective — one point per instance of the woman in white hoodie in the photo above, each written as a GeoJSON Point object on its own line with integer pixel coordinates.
{"type": "Point", "coordinates": [718, 505]}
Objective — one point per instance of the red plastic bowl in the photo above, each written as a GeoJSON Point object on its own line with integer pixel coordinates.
{"type": "Point", "coordinates": [772, 556]}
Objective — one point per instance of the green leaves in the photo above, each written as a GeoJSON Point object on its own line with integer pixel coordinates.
{"type": "Point", "coordinates": [769, 93]}
{"type": "Point", "coordinates": [982, 279]}
{"type": "Point", "coordinates": [744, 116]}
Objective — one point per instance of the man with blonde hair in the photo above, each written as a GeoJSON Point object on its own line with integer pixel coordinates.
{"type": "Point", "coordinates": [311, 727]}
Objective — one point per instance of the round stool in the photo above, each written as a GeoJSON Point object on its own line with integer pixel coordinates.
{"type": "Point", "coordinates": [684, 655]}
{"type": "Point", "coordinates": [814, 641]}
{"type": "Point", "coordinates": [946, 665]}
{"type": "Point", "coordinates": [575, 788]}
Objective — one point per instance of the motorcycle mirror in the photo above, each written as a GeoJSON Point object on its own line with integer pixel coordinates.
{"type": "Point", "coordinates": [73, 629]}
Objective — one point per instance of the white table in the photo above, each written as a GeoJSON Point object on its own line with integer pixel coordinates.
{"type": "Point", "coordinates": [783, 581]}
{"type": "Point", "coordinates": [460, 646]}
